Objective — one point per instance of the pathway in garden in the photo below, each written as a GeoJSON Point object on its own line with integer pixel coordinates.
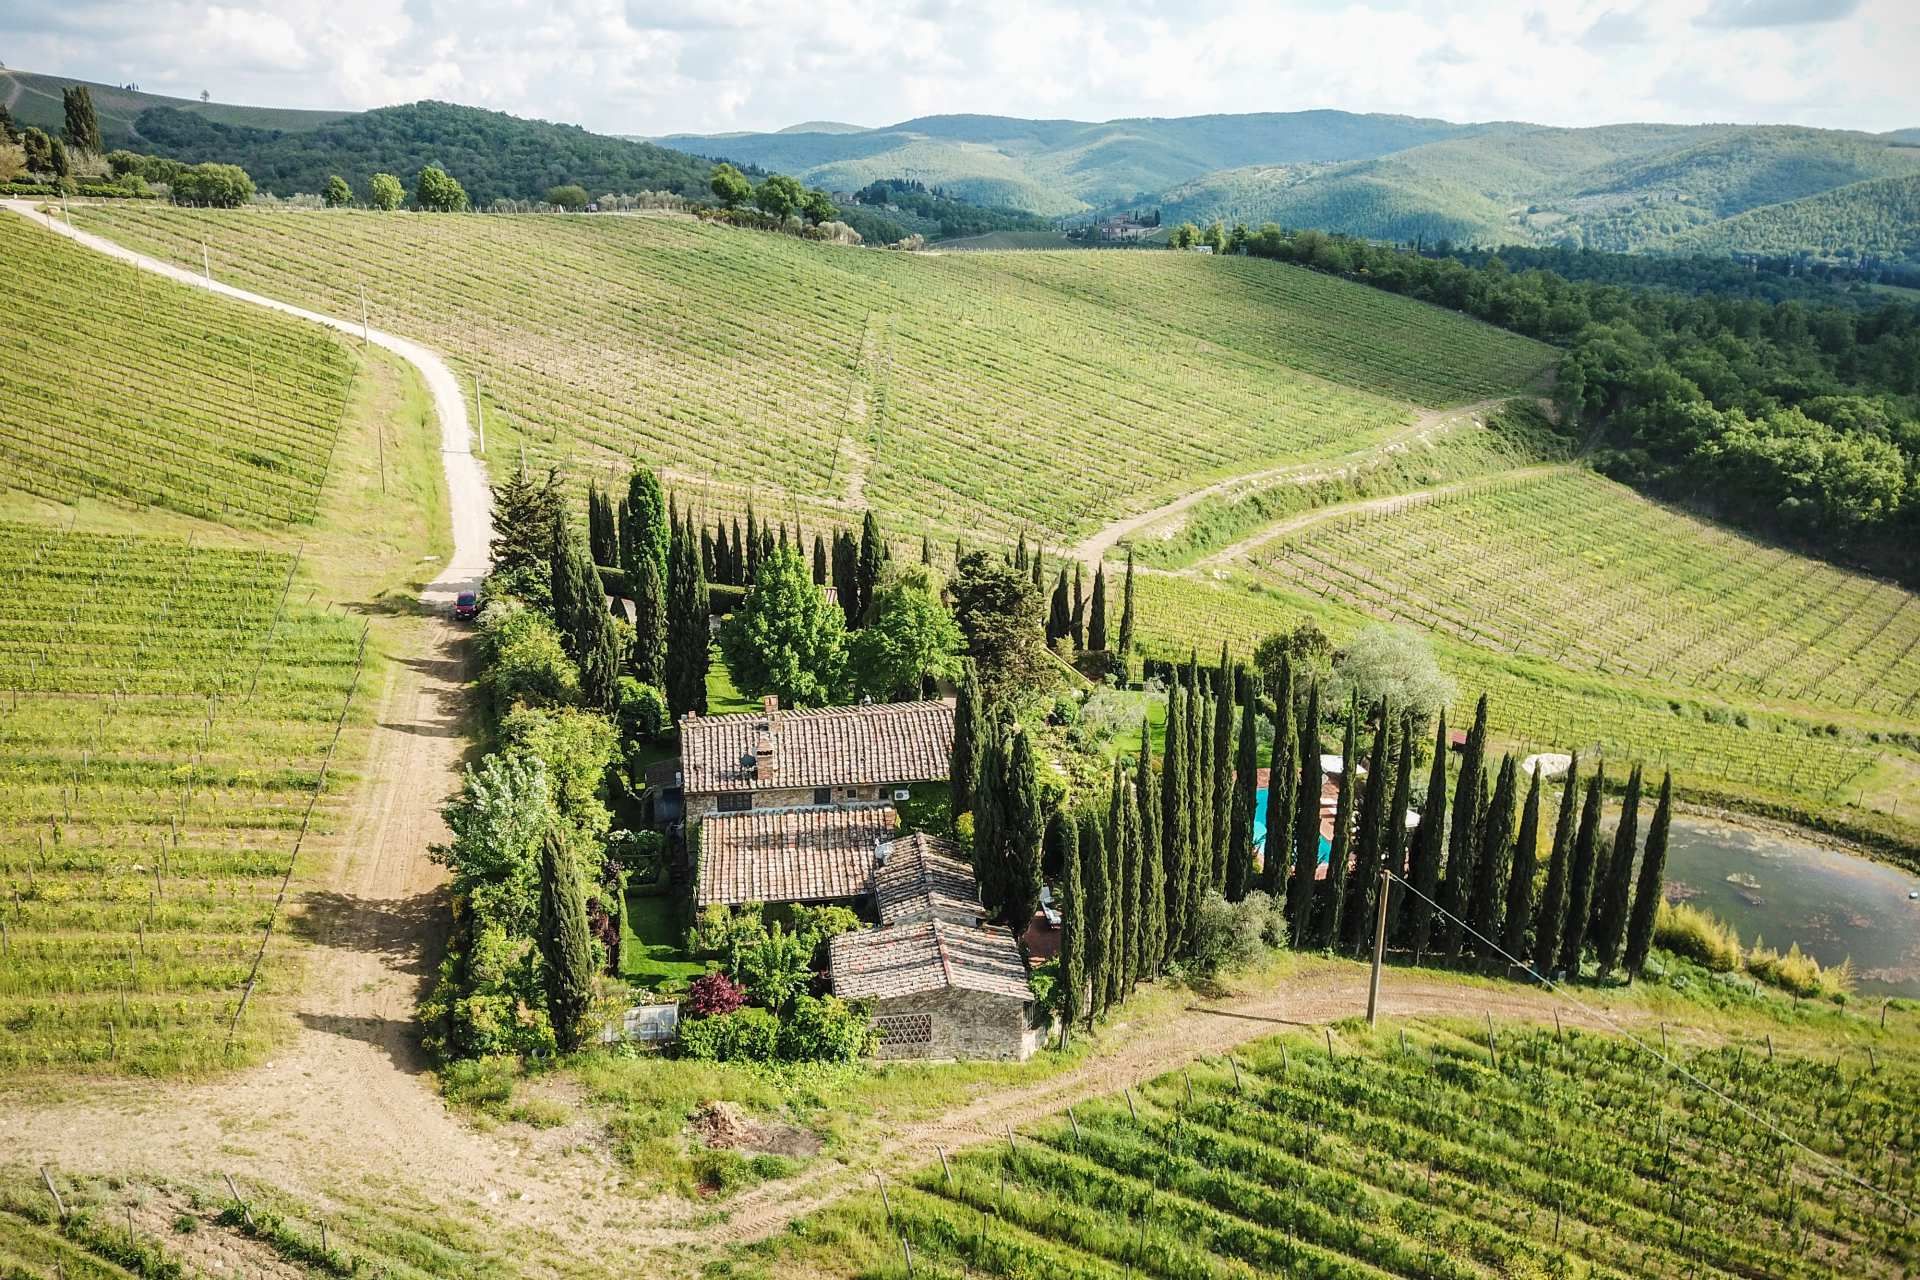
{"type": "Point", "coordinates": [1093, 549]}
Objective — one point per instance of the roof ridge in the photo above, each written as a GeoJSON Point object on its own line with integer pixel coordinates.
{"type": "Point", "coordinates": [940, 945]}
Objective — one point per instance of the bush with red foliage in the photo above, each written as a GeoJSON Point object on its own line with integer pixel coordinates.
{"type": "Point", "coordinates": [713, 993]}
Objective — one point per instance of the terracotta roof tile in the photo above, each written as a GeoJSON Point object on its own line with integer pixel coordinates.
{"type": "Point", "coordinates": [928, 955]}
{"type": "Point", "coordinates": [924, 877]}
{"type": "Point", "coordinates": [791, 855]}
{"type": "Point", "coordinates": [836, 747]}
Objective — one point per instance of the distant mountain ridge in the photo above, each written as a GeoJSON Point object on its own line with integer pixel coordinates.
{"type": "Point", "coordinates": [1616, 187]}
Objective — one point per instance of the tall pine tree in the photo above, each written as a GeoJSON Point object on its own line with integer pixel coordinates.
{"type": "Point", "coordinates": [1151, 905]}
{"type": "Point", "coordinates": [989, 868]}
{"type": "Point", "coordinates": [1332, 895]}
{"type": "Point", "coordinates": [1200, 796]}
{"type": "Point", "coordinates": [1097, 612]}
{"type": "Point", "coordinates": [1586, 842]}
{"type": "Point", "coordinates": [1394, 836]}
{"type": "Point", "coordinates": [1126, 609]}
{"type": "Point", "coordinates": [873, 554]}
{"type": "Point", "coordinates": [1073, 923]}
{"type": "Point", "coordinates": [1176, 826]}
{"type": "Point", "coordinates": [819, 561]}
{"type": "Point", "coordinates": [1122, 831]}
{"type": "Point", "coordinates": [566, 948]}
{"type": "Point", "coordinates": [1463, 835]}
{"type": "Point", "coordinates": [1526, 857]}
{"type": "Point", "coordinates": [1246, 788]}
{"type": "Point", "coordinates": [1077, 624]}
{"type": "Point", "coordinates": [1653, 868]}
{"type": "Point", "coordinates": [1024, 832]}
{"type": "Point", "coordinates": [1306, 826]}
{"type": "Point", "coordinates": [1357, 916]}
{"type": "Point", "coordinates": [648, 657]}
{"type": "Point", "coordinates": [846, 575]}
{"type": "Point", "coordinates": [1423, 859]}
{"type": "Point", "coordinates": [1221, 757]}
{"type": "Point", "coordinates": [1551, 912]}
{"type": "Point", "coordinates": [1619, 883]}
{"type": "Point", "coordinates": [1283, 782]}
{"type": "Point", "coordinates": [689, 638]}
{"type": "Point", "coordinates": [1093, 869]}
{"type": "Point", "coordinates": [1059, 612]}
{"type": "Point", "coordinates": [969, 717]}
{"type": "Point", "coordinates": [1492, 862]}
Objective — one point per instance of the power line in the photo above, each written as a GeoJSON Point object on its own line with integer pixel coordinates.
{"type": "Point", "coordinates": [1681, 1068]}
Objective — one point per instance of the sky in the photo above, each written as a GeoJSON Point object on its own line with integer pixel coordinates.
{"type": "Point", "coordinates": [654, 67]}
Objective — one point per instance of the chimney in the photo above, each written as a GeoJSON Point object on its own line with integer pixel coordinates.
{"type": "Point", "coordinates": [770, 708]}
{"type": "Point", "coordinates": [766, 760]}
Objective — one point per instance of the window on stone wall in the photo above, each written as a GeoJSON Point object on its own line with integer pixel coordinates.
{"type": "Point", "coordinates": [823, 795]}
{"type": "Point", "coordinates": [736, 801]}
{"type": "Point", "coordinates": [905, 1028]}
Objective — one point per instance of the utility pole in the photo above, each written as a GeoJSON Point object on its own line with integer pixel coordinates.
{"type": "Point", "coordinates": [1379, 948]}
{"type": "Point", "coordinates": [480, 413]}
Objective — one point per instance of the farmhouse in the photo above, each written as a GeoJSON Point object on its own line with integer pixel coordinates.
{"type": "Point", "coordinates": [943, 984]}
{"type": "Point", "coordinates": [815, 855]}
{"type": "Point", "coordinates": [836, 757]}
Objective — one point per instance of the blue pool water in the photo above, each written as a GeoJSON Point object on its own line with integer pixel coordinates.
{"type": "Point", "coordinates": [1260, 826]}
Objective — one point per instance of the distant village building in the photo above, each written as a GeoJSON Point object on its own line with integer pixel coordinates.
{"type": "Point", "coordinates": [944, 985]}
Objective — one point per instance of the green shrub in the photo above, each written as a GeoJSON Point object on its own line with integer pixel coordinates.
{"type": "Point", "coordinates": [525, 661]}
{"type": "Point", "coordinates": [745, 1035]}
{"type": "Point", "coordinates": [1234, 934]}
{"type": "Point", "coordinates": [1798, 972]}
{"type": "Point", "coordinates": [641, 711]}
{"type": "Point", "coordinates": [1689, 931]}
{"type": "Point", "coordinates": [827, 1029]}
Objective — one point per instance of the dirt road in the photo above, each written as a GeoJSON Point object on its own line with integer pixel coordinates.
{"type": "Point", "coordinates": [1093, 549]}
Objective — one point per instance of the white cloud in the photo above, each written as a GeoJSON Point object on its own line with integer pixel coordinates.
{"type": "Point", "coordinates": [660, 66]}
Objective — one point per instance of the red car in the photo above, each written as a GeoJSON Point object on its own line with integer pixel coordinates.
{"type": "Point", "coordinates": [466, 606]}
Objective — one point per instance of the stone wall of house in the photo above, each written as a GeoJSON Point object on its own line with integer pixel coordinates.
{"type": "Point", "coordinates": [703, 803]}
{"type": "Point", "coordinates": [957, 1024]}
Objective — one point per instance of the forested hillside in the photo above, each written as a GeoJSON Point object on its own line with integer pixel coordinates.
{"type": "Point", "coordinates": [1878, 219]}
{"type": "Point", "coordinates": [36, 102]}
{"type": "Point", "coordinates": [494, 155]}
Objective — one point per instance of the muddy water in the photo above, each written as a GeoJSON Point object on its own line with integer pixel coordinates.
{"type": "Point", "coordinates": [1836, 905]}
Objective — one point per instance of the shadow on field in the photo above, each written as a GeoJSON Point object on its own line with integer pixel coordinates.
{"type": "Point", "coordinates": [398, 1038]}
{"type": "Point", "coordinates": [1248, 1017]}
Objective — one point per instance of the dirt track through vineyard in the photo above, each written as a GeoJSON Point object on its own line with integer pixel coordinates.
{"type": "Point", "coordinates": [348, 1104]}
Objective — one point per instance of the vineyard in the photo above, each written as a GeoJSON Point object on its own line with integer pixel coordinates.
{"type": "Point", "coordinates": [1581, 572]}
{"type": "Point", "coordinates": [167, 712]}
{"type": "Point", "coordinates": [117, 385]}
{"type": "Point", "coordinates": [1453, 1152]}
{"type": "Point", "coordinates": [1716, 752]}
{"type": "Point", "coordinates": [966, 392]}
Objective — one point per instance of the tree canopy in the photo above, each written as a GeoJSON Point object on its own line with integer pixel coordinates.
{"type": "Point", "coordinates": [786, 639]}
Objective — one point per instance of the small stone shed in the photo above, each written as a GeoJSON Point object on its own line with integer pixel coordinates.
{"type": "Point", "coordinates": [944, 985]}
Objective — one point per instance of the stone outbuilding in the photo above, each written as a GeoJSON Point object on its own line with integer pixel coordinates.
{"type": "Point", "coordinates": [944, 985]}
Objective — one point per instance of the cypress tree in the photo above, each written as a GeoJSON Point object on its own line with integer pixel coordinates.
{"type": "Point", "coordinates": [969, 715]}
{"type": "Point", "coordinates": [1147, 927]}
{"type": "Point", "coordinates": [926, 551]}
{"type": "Point", "coordinates": [566, 951]}
{"type": "Point", "coordinates": [1526, 857]}
{"type": "Point", "coordinates": [1097, 612]}
{"type": "Point", "coordinates": [1423, 860]}
{"type": "Point", "coordinates": [649, 654]}
{"type": "Point", "coordinates": [989, 778]}
{"type": "Point", "coordinates": [1364, 884]}
{"type": "Point", "coordinates": [1463, 835]}
{"type": "Point", "coordinates": [1283, 783]}
{"type": "Point", "coordinates": [1494, 859]}
{"type": "Point", "coordinates": [709, 562]}
{"type": "Point", "coordinates": [82, 125]}
{"type": "Point", "coordinates": [1025, 829]}
{"type": "Point", "coordinates": [1176, 826]}
{"type": "Point", "coordinates": [753, 544]}
{"type": "Point", "coordinates": [1200, 796]}
{"type": "Point", "coordinates": [846, 575]}
{"type": "Point", "coordinates": [1619, 882]}
{"type": "Point", "coordinates": [688, 636]}
{"type": "Point", "coordinates": [1039, 566]}
{"type": "Point", "coordinates": [1126, 606]}
{"type": "Point", "coordinates": [1093, 867]}
{"type": "Point", "coordinates": [1553, 899]}
{"type": "Point", "coordinates": [1306, 825]}
{"type": "Point", "coordinates": [1653, 867]}
{"type": "Point", "coordinates": [580, 612]}
{"type": "Point", "coordinates": [1020, 553]}
{"type": "Point", "coordinates": [766, 545]}
{"type": "Point", "coordinates": [1580, 884]}
{"type": "Point", "coordinates": [643, 521]}
{"type": "Point", "coordinates": [1393, 838]}
{"type": "Point", "coordinates": [1073, 923]}
{"type": "Point", "coordinates": [783, 535]}
{"type": "Point", "coordinates": [1123, 845]}
{"type": "Point", "coordinates": [1221, 757]}
{"type": "Point", "coordinates": [1246, 787]}
{"type": "Point", "coordinates": [1332, 896]}
{"type": "Point", "coordinates": [1060, 614]}
{"type": "Point", "coordinates": [1078, 622]}
{"type": "Point", "coordinates": [601, 536]}
{"type": "Point", "coordinates": [819, 561]}
{"type": "Point", "coordinates": [873, 552]}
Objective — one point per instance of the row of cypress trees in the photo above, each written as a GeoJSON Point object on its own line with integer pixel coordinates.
{"type": "Point", "coordinates": [660, 560]}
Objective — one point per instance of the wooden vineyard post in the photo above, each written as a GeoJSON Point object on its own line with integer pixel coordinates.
{"type": "Point", "coordinates": [480, 417]}
{"type": "Point", "coordinates": [59, 1205]}
{"type": "Point", "coordinates": [206, 263]}
{"type": "Point", "coordinates": [1379, 951]}
{"type": "Point", "coordinates": [944, 1166]}
{"type": "Point", "coordinates": [234, 1191]}
{"type": "Point", "coordinates": [885, 1199]}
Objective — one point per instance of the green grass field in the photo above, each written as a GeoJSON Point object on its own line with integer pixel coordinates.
{"type": "Point", "coordinates": [1365, 1155]}
{"type": "Point", "coordinates": [119, 385]}
{"type": "Point", "coordinates": [651, 955]}
{"type": "Point", "coordinates": [1584, 573]}
{"type": "Point", "coordinates": [963, 391]}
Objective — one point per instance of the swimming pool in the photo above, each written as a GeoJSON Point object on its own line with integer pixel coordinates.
{"type": "Point", "coordinates": [1260, 827]}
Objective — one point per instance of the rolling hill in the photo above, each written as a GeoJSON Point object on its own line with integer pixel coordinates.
{"type": "Point", "coordinates": [1059, 167]}
{"type": "Point", "coordinates": [1627, 187]}
{"type": "Point", "coordinates": [1879, 218]}
{"type": "Point", "coordinates": [35, 100]}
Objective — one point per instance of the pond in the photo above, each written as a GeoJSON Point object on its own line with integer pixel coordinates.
{"type": "Point", "coordinates": [1836, 905]}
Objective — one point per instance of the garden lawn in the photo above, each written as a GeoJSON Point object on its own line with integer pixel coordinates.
{"type": "Point", "coordinates": [651, 954]}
